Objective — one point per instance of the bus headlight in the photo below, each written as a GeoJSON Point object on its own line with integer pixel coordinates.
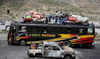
{"type": "Point", "coordinates": [78, 37]}
{"type": "Point", "coordinates": [26, 34]}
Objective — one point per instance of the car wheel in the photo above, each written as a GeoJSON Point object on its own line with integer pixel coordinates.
{"type": "Point", "coordinates": [30, 55]}
{"type": "Point", "coordinates": [67, 43]}
{"type": "Point", "coordinates": [67, 57]}
{"type": "Point", "coordinates": [38, 55]}
{"type": "Point", "coordinates": [23, 43]}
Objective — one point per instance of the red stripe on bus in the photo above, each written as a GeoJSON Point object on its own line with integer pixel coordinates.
{"type": "Point", "coordinates": [83, 39]}
{"type": "Point", "coordinates": [25, 37]}
{"type": "Point", "coordinates": [90, 38]}
{"type": "Point", "coordinates": [86, 41]}
{"type": "Point", "coordinates": [72, 35]}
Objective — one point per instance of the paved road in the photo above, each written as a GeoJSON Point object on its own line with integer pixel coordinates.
{"type": "Point", "coordinates": [19, 52]}
{"type": "Point", "coordinates": [97, 30]}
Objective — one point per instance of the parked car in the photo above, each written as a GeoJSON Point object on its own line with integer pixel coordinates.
{"type": "Point", "coordinates": [2, 23]}
{"type": "Point", "coordinates": [52, 49]}
{"type": "Point", "coordinates": [97, 25]}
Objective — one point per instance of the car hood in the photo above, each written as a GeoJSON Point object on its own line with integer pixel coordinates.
{"type": "Point", "coordinates": [68, 50]}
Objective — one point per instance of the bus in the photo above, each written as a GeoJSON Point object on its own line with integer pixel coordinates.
{"type": "Point", "coordinates": [68, 34]}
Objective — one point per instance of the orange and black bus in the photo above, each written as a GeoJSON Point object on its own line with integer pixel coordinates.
{"type": "Point", "coordinates": [70, 34]}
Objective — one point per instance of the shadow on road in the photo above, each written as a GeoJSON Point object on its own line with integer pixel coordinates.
{"type": "Point", "coordinates": [84, 47]}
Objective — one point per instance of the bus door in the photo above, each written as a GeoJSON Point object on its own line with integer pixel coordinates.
{"type": "Point", "coordinates": [11, 34]}
{"type": "Point", "coordinates": [90, 30]}
{"type": "Point", "coordinates": [9, 31]}
{"type": "Point", "coordinates": [47, 51]}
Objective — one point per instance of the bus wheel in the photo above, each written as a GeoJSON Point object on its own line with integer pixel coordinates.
{"type": "Point", "coordinates": [67, 43]}
{"type": "Point", "coordinates": [23, 43]}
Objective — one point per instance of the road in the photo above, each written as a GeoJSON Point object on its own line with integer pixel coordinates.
{"type": "Point", "coordinates": [97, 30]}
{"type": "Point", "coordinates": [19, 52]}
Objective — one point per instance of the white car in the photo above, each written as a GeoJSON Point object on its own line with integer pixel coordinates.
{"type": "Point", "coordinates": [97, 25]}
{"type": "Point", "coordinates": [2, 23]}
{"type": "Point", "coordinates": [49, 49]}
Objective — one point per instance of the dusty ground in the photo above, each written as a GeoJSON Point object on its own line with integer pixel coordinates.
{"type": "Point", "coordinates": [19, 52]}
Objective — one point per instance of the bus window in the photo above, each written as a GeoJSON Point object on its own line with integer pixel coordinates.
{"type": "Point", "coordinates": [74, 30]}
{"type": "Point", "coordinates": [44, 30]}
{"type": "Point", "coordinates": [22, 28]}
{"type": "Point", "coordinates": [90, 30]}
{"type": "Point", "coordinates": [52, 29]}
{"type": "Point", "coordinates": [68, 30]}
{"type": "Point", "coordinates": [83, 31]}
{"type": "Point", "coordinates": [35, 29]}
{"type": "Point", "coordinates": [62, 30]}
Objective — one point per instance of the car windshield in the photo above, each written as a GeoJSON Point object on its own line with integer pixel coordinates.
{"type": "Point", "coordinates": [61, 47]}
{"type": "Point", "coordinates": [39, 46]}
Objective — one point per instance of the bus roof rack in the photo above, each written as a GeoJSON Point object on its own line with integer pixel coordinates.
{"type": "Point", "coordinates": [43, 22]}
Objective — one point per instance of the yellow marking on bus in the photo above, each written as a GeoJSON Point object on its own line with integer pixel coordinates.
{"type": "Point", "coordinates": [73, 43]}
{"type": "Point", "coordinates": [34, 34]}
{"type": "Point", "coordinates": [28, 42]}
{"type": "Point", "coordinates": [82, 36]}
{"type": "Point", "coordinates": [72, 40]}
{"type": "Point", "coordinates": [48, 35]}
{"type": "Point", "coordinates": [63, 37]}
{"type": "Point", "coordinates": [9, 39]}
{"type": "Point", "coordinates": [85, 36]}
{"type": "Point", "coordinates": [18, 38]}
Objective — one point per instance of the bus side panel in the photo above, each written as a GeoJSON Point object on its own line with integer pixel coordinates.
{"type": "Point", "coordinates": [84, 39]}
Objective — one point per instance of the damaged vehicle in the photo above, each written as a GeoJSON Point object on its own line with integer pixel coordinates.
{"type": "Point", "coordinates": [52, 49]}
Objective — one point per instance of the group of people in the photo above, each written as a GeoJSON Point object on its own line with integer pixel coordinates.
{"type": "Point", "coordinates": [57, 18]}
{"type": "Point", "coordinates": [62, 18]}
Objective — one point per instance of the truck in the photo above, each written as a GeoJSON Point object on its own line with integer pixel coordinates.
{"type": "Point", "coordinates": [52, 49]}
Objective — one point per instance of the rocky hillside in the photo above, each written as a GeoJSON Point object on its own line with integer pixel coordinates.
{"type": "Point", "coordinates": [92, 6]}
{"type": "Point", "coordinates": [18, 8]}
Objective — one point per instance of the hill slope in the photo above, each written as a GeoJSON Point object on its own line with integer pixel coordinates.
{"type": "Point", "coordinates": [92, 6]}
{"type": "Point", "coordinates": [20, 7]}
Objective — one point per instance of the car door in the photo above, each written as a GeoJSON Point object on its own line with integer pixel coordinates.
{"type": "Point", "coordinates": [56, 51]}
{"type": "Point", "coordinates": [47, 51]}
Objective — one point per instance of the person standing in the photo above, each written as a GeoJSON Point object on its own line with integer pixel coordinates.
{"type": "Point", "coordinates": [66, 18]}
{"type": "Point", "coordinates": [61, 14]}
{"type": "Point", "coordinates": [56, 14]}
{"type": "Point", "coordinates": [22, 19]}
{"type": "Point", "coordinates": [50, 17]}
{"type": "Point", "coordinates": [33, 45]}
